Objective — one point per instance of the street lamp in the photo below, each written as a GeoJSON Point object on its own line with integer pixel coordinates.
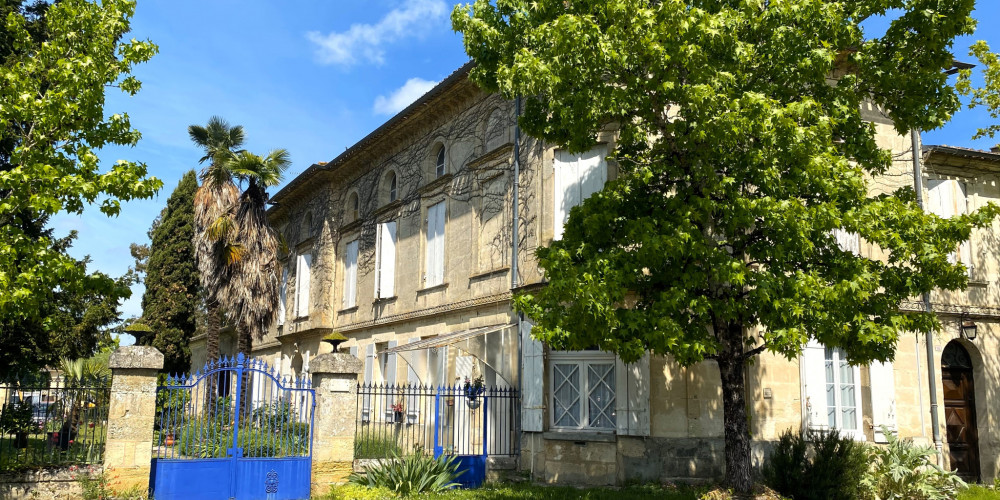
{"type": "Point", "coordinates": [967, 328]}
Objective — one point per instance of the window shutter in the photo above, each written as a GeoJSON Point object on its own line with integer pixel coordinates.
{"type": "Point", "coordinates": [351, 274]}
{"type": "Point", "coordinates": [813, 370]}
{"type": "Point", "coordinates": [417, 359]}
{"type": "Point", "coordinates": [283, 296]}
{"type": "Point", "coordinates": [883, 399]}
{"type": "Point", "coordinates": [366, 400]}
{"type": "Point", "coordinates": [302, 285]}
{"type": "Point", "coordinates": [592, 171]}
{"type": "Point", "coordinates": [532, 376]}
{"type": "Point", "coordinates": [387, 260]}
{"type": "Point", "coordinates": [433, 366]}
{"type": "Point", "coordinates": [434, 262]}
{"type": "Point", "coordinates": [848, 242]}
{"type": "Point", "coordinates": [946, 198]}
{"type": "Point", "coordinates": [961, 208]}
{"type": "Point", "coordinates": [576, 177]}
{"type": "Point", "coordinates": [632, 397]}
{"type": "Point", "coordinates": [390, 381]}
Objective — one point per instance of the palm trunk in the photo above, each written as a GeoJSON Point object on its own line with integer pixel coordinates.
{"type": "Point", "coordinates": [739, 475]}
{"type": "Point", "coordinates": [244, 344]}
{"type": "Point", "coordinates": [213, 325]}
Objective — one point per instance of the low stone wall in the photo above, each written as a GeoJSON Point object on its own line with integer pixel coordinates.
{"type": "Point", "coordinates": [45, 484]}
{"type": "Point", "coordinates": [608, 460]}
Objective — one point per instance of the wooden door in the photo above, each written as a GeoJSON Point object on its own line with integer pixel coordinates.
{"type": "Point", "coordinates": [960, 411]}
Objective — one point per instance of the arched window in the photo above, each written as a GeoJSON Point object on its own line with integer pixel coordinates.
{"type": "Point", "coordinates": [353, 206]}
{"type": "Point", "coordinates": [392, 186]}
{"type": "Point", "coordinates": [439, 166]}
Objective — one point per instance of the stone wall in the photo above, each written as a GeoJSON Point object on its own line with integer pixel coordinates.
{"type": "Point", "coordinates": [45, 484]}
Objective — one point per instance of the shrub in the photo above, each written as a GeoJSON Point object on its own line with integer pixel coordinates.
{"type": "Point", "coordinates": [903, 470]}
{"type": "Point", "coordinates": [831, 471]}
{"type": "Point", "coordinates": [414, 473]}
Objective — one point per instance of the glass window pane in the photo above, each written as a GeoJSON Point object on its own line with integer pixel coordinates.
{"type": "Point", "coordinates": [566, 384]}
{"type": "Point", "coordinates": [831, 390]}
{"type": "Point", "coordinates": [601, 397]}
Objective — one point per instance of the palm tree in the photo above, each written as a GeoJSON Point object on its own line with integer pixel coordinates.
{"type": "Point", "coordinates": [253, 292]}
{"type": "Point", "coordinates": [215, 197]}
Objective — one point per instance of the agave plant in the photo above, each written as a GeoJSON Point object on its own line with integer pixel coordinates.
{"type": "Point", "coordinates": [412, 474]}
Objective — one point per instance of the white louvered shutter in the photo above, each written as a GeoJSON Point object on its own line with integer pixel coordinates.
{"type": "Point", "coordinates": [417, 361]}
{"type": "Point", "coordinates": [592, 170]}
{"type": "Point", "coordinates": [351, 274]}
{"type": "Point", "coordinates": [576, 177]}
{"type": "Point", "coordinates": [813, 371]}
{"type": "Point", "coordinates": [387, 260]}
{"type": "Point", "coordinates": [434, 262]}
{"type": "Point", "coordinates": [390, 381]}
{"type": "Point", "coordinates": [302, 284]}
{"type": "Point", "coordinates": [632, 397]}
{"type": "Point", "coordinates": [283, 296]}
{"type": "Point", "coordinates": [366, 401]}
{"type": "Point", "coordinates": [883, 399]}
{"type": "Point", "coordinates": [946, 199]}
{"type": "Point", "coordinates": [532, 376]}
{"type": "Point", "coordinates": [848, 242]}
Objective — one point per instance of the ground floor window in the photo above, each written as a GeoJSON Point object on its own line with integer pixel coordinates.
{"type": "Point", "coordinates": [583, 390]}
{"type": "Point", "coordinates": [842, 394]}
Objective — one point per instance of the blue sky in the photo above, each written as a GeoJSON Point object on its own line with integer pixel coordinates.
{"type": "Point", "coordinates": [309, 76]}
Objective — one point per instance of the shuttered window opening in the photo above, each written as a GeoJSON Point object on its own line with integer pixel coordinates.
{"type": "Point", "coordinates": [946, 198]}
{"type": "Point", "coordinates": [434, 248]}
{"type": "Point", "coordinates": [385, 260]}
{"type": "Point", "coordinates": [283, 296]}
{"type": "Point", "coordinates": [351, 275]}
{"type": "Point", "coordinates": [303, 269]}
{"type": "Point", "coordinates": [577, 176]}
{"type": "Point", "coordinates": [583, 391]}
{"type": "Point", "coordinates": [832, 391]}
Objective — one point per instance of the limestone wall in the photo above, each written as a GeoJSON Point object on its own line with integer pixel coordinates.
{"type": "Point", "coordinates": [45, 484]}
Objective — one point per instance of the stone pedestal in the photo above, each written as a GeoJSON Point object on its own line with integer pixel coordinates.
{"type": "Point", "coordinates": [335, 379]}
{"type": "Point", "coordinates": [128, 451]}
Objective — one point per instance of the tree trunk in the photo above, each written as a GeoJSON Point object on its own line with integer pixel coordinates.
{"type": "Point", "coordinates": [244, 344]}
{"type": "Point", "coordinates": [212, 327]}
{"type": "Point", "coordinates": [739, 474]}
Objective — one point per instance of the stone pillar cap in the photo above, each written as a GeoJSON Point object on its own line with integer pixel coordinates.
{"type": "Point", "coordinates": [136, 357]}
{"type": "Point", "coordinates": [336, 362]}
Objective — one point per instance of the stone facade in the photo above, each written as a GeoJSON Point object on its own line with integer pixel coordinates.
{"type": "Point", "coordinates": [45, 484]}
{"type": "Point", "coordinates": [335, 381]}
{"type": "Point", "coordinates": [677, 417]}
{"type": "Point", "coordinates": [128, 449]}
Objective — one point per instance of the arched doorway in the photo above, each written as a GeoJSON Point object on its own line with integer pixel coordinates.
{"type": "Point", "coordinates": [960, 411]}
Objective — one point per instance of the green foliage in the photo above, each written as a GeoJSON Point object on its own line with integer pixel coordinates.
{"type": "Point", "coordinates": [52, 122]}
{"type": "Point", "coordinates": [977, 492]}
{"type": "Point", "coordinates": [830, 470]}
{"type": "Point", "coordinates": [273, 432]}
{"type": "Point", "coordinates": [902, 470]}
{"type": "Point", "coordinates": [170, 302]}
{"type": "Point", "coordinates": [411, 474]}
{"type": "Point", "coordinates": [988, 95]}
{"type": "Point", "coordinates": [737, 160]}
{"type": "Point", "coordinates": [371, 444]}
{"type": "Point", "coordinates": [17, 417]}
{"type": "Point", "coordinates": [528, 491]}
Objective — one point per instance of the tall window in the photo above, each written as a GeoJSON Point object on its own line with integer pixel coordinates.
{"type": "Point", "coordinates": [843, 397]}
{"type": "Point", "coordinates": [439, 166]}
{"type": "Point", "coordinates": [303, 268]}
{"type": "Point", "coordinates": [946, 198]}
{"type": "Point", "coordinates": [385, 260]}
{"type": "Point", "coordinates": [434, 264]}
{"type": "Point", "coordinates": [577, 176]}
{"type": "Point", "coordinates": [351, 274]}
{"type": "Point", "coordinates": [391, 182]}
{"type": "Point", "coordinates": [583, 390]}
{"type": "Point", "coordinates": [353, 205]}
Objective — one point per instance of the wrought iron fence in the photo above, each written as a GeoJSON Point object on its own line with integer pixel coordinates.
{"type": "Point", "coordinates": [402, 419]}
{"type": "Point", "coordinates": [234, 403]}
{"type": "Point", "coordinates": [56, 423]}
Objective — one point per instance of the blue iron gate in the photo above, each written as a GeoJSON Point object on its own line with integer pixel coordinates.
{"type": "Point", "coordinates": [237, 431]}
{"type": "Point", "coordinates": [462, 431]}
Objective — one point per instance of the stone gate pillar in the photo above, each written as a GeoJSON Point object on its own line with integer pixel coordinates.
{"type": "Point", "coordinates": [128, 450]}
{"type": "Point", "coordinates": [335, 379]}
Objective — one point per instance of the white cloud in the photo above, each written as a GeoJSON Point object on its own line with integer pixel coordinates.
{"type": "Point", "coordinates": [364, 41]}
{"type": "Point", "coordinates": [403, 96]}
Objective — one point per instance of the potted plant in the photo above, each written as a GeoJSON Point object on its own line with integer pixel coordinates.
{"type": "Point", "coordinates": [473, 389]}
{"type": "Point", "coordinates": [17, 419]}
{"type": "Point", "coordinates": [397, 411]}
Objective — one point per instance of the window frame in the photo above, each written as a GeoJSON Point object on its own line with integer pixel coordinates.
{"type": "Point", "coordinates": [583, 359]}
{"type": "Point", "coordinates": [838, 356]}
{"type": "Point", "coordinates": [303, 268]}
{"type": "Point", "coordinates": [393, 186]}
{"type": "Point", "coordinates": [350, 275]}
{"type": "Point", "coordinates": [434, 251]}
{"type": "Point", "coordinates": [441, 162]}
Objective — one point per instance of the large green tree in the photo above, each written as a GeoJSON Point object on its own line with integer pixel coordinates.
{"type": "Point", "coordinates": [741, 150]}
{"type": "Point", "coordinates": [171, 299]}
{"type": "Point", "coordinates": [52, 120]}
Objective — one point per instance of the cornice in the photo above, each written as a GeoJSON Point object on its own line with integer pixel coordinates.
{"type": "Point", "coordinates": [423, 313]}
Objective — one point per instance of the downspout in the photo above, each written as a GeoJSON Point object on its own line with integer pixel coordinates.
{"type": "Point", "coordinates": [918, 186]}
{"type": "Point", "coordinates": [514, 283]}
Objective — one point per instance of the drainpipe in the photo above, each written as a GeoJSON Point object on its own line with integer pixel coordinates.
{"type": "Point", "coordinates": [918, 186]}
{"type": "Point", "coordinates": [514, 283]}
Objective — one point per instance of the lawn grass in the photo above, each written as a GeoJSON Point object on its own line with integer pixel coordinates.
{"type": "Point", "coordinates": [527, 492]}
{"type": "Point", "coordinates": [977, 492]}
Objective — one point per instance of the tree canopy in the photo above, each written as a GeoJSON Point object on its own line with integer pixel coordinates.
{"type": "Point", "coordinates": [742, 152]}
{"type": "Point", "coordinates": [52, 122]}
{"type": "Point", "coordinates": [173, 291]}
